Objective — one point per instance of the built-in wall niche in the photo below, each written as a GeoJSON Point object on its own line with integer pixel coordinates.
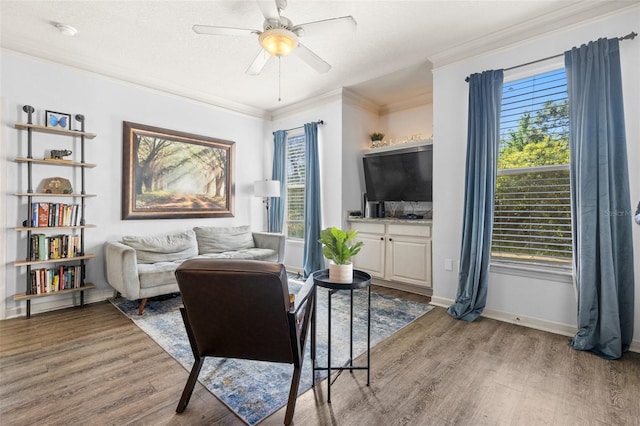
{"type": "Point", "coordinates": [397, 209]}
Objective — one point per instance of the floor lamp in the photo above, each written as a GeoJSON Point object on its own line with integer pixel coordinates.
{"type": "Point", "coordinates": [266, 189]}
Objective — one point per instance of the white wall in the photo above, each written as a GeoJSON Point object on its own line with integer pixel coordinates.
{"type": "Point", "coordinates": [550, 303]}
{"type": "Point", "coordinates": [405, 123]}
{"type": "Point", "coordinates": [106, 103]}
{"type": "Point", "coordinates": [359, 123]}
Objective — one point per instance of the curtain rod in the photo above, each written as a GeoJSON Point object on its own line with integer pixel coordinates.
{"type": "Point", "coordinates": [321, 122]}
{"type": "Point", "coordinates": [629, 36]}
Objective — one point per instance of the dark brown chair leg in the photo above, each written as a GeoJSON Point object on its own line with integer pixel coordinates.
{"type": "Point", "coordinates": [143, 302]}
{"type": "Point", "coordinates": [293, 395]}
{"type": "Point", "coordinates": [191, 382]}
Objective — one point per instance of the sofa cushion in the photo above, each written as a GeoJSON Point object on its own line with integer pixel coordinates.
{"type": "Point", "coordinates": [163, 248]}
{"type": "Point", "coordinates": [158, 274]}
{"type": "Point", "coordinates": [248, 254]}
{"type": "Point", "coordinates": [215, 239]}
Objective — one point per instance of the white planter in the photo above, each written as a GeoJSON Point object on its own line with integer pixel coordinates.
{"type": "Point", "coordinates": [341, 273]}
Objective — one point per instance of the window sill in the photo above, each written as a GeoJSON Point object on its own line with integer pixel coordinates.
{"type": "Point", "coordinates": [532, 271]}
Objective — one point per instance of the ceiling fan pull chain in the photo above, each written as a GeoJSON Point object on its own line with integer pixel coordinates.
{"type": "Point", "coordinates": [279, 78]}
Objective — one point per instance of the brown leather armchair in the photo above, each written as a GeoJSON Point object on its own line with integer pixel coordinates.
{"type": "Point", "coordinates": [241, 309]}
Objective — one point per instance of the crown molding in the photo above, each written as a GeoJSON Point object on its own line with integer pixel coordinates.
{"type": "Point", "coordinates": [311, 102]}
{"type": "Point", "coordinates": [577, 13]}
{"type": "Point", "coordinates": [415, 102]}
{"type": "Point", "coordinates": [352, 98]}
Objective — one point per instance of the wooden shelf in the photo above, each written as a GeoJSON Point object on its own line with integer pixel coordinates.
{"type": "Point", "coordinates": [76, 230]}
{"type": "Point", "coordinates": [398, 146]}
{"type": "Point", "coordinates": [44, 194]}
{"type": "Point", "coordinates": [25, 296]}
{"type": "Point", "coordinates": [54, 130]}
{"type": "Point", "coordinates": [61, 260]}
{"type": "Point", "coordinates": [54, 162]}
{"type": "Point", "coordinates": [51, 228]}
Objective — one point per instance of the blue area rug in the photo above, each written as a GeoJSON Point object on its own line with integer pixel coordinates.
{"type": "Point", "coordinates": [256, 389]}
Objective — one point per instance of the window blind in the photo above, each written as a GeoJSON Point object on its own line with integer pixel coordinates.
{"type": "Point", "coordinates": [532, 211]}
{"type": "Point", "coordinates": [295, 186]}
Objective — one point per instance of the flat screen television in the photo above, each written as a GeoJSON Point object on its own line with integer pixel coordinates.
{"type": "Point", "coordinates": [404, 175]}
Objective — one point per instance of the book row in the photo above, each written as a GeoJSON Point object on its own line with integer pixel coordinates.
{"type": "Point", "coordinates": [48, 280]}
{"type": "Point", "coordinates": [54, 214]}
{"type": "Point", "coordinates": [63, 246]}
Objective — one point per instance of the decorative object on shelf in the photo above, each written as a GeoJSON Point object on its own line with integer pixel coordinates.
{"type": "Point", "coordinates": [57, 119]}
{"type": "Point", "coordinates": [637, 218]}
{"type": "Point", "coordinates": [266, 189]}
{"type": "Point", "coordinates": [416, 139]}
{"type": "Point", "coordinates": [56, 185]}
{"type": "Point", "coordinates": [175, 175]}
{"type": "Point", "coordinates": [376, 139]}
{"type": "Point", "coordinates": [376, 136]}
{"type": "Point", "coordinates": [57, 154]}
{"type": "Point", "coordinates": [335, 247]}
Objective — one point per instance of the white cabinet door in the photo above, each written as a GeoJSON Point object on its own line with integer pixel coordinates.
{"type": "Point", "coordinates": [370, 259]}
{"type": "Point", "coordinates": [409, 260]}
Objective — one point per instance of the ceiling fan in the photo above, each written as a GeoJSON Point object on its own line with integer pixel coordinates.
{"type": "Point", "coordinates": [279, 36]}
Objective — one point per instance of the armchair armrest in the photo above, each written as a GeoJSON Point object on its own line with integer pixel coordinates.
{"type": "Point", "coordinates": [121, 269]}
{"type": "Point", "coordinates": [304, 294]}
{"type": "Point", "coordinates": [301, 313]}
{"type": "Point", "coordinates": [272, 241]}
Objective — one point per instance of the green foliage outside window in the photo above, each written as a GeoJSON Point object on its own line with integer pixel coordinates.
{"type": "Point", "coordinates": [532, 216]}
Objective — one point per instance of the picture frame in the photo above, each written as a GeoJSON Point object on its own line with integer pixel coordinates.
{"type": "Point", "coordinates": [168, 174]}
{"type": "Point", "coordinates": [59, 120]}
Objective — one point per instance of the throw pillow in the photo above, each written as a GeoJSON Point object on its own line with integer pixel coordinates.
{"type": "Point", "coordinates": [214, 239]}
{"type": "Point", "coordinates": [164, 248]}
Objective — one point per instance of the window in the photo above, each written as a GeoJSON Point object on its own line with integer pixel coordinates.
{"type": "Point", "coordinates": [532, 221]}
{"type": "Point", "coordinates": [295, 186]}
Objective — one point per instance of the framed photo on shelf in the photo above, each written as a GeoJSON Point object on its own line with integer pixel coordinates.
{"type": "Point", "coordinates": [168, 174]}
{"type": "Point", "coordinates": [59, 120]}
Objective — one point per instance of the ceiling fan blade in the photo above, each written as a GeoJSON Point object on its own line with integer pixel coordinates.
{"type": "Point", "coordinates": [313, 60]}
{"type": "Point", "coordinates": [223, 31]}
{"type": "Point", "coordinates": [258, 63]}
{"type": "Point", "coordinates": [326, 26]}
{"type": "Point", "coordinates": [269, 9]}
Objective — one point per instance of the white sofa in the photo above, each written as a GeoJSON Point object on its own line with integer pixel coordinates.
{"type": "Point", "coordinates": [143, 267]}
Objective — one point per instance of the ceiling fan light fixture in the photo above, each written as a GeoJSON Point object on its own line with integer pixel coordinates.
{"type": "Point", "coordinates": [278, 41]}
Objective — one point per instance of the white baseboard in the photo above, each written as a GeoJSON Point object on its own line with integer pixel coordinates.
{"type": "Point", "coordinates": [409, 288]}
{"type": "Point", "coordinates": [294, 269]}
{"type": "Point", "coordinates": [536, 323]}
{"type": "Point", "coordinates": [59, 302]}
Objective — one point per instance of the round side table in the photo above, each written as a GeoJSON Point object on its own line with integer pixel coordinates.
{"type": "Point", "coordinates": [361, 280]}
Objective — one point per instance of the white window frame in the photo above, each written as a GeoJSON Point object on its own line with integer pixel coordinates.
{"type": "Point", "coordinates": [562, 275]}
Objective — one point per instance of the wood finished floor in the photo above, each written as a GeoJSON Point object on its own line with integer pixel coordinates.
{"type": "Point", "coordinates": [92, 366]}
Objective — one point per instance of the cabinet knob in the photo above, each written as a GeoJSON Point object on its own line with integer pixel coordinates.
{"type": "Point", "coordinates": [381, 238]}
{"type": "Point", "coordinates": [390, 239]}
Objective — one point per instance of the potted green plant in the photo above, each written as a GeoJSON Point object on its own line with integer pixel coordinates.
{"type": "Point", "coordinates": [337, 248]}
{"type": "Point", "coordinates": [376, 136]}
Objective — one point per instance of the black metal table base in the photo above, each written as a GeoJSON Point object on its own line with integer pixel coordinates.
{"type": "Point", "coordinates": [361, 280]}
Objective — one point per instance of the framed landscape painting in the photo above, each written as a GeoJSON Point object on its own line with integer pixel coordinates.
{"type": "Point", "coordinates": [175, 175]}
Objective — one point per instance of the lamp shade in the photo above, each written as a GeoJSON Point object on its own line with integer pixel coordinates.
{"type": "Point", "coordinates": [278, 41]}
{"type": "Point", "coordinates": [266, 188]}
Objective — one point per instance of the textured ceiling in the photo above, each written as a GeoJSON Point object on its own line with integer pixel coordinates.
{"type": "Point", "coordinates": [386, 60]}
